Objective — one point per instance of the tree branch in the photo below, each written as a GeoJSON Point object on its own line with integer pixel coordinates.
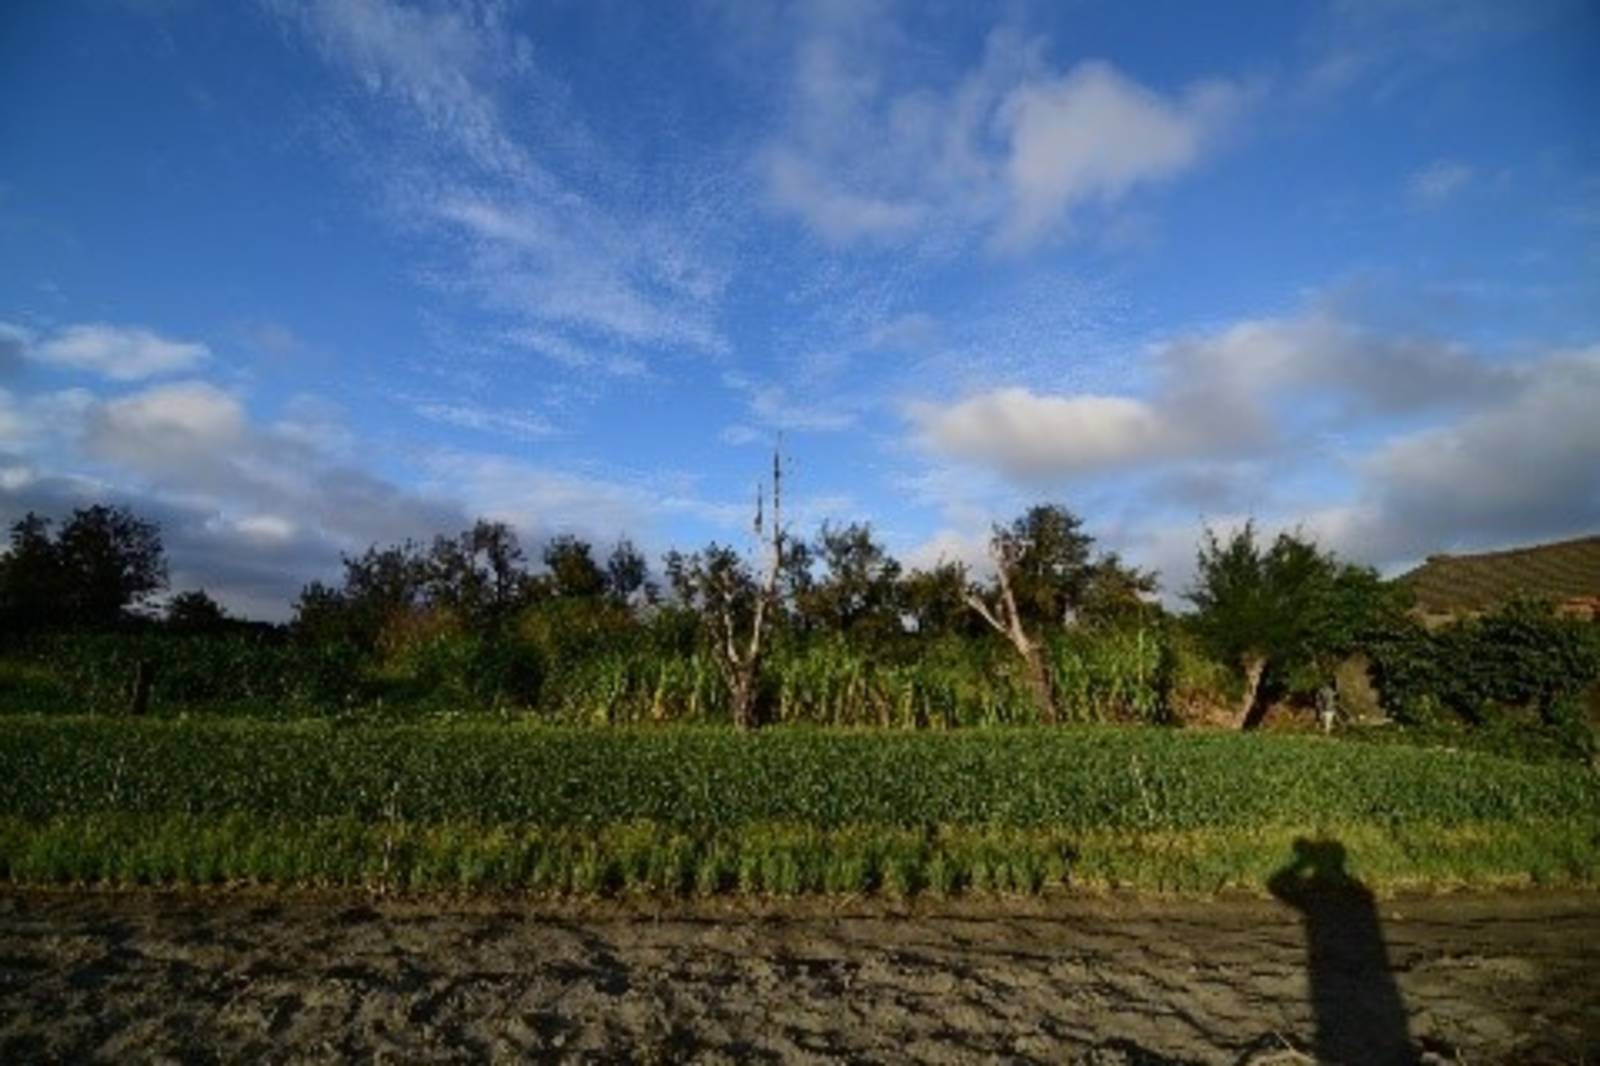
{"type": "Point", "coordinates": [982, 608]}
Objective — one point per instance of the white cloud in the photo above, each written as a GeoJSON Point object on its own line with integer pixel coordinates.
{"type": "Point", "coordinates": [194, 443]}
{"type": "Point", "coordinates": [575, 356]}
{"type": "Point", "coordinates": [15, 425]}
{"type": "Point", "coordinates": [273, 338]}
{"type": "Point", "coordinates": [797, 186]}
{"type": "Point", "coordinates": [121, 353]}
{"type": "Point", "coordinates": [951, 546]}
{"type": "Point", "coordinates": [434, 59]}
{"type": "Point", "coordinates": [1437, 182]}
{"type": "Point", "coordinates": [1521, 467]}
{"type": "Point", "coordinates": [1219, 395]}
{"type": "Point", "coordinates": [905, 332]}
{"type": "Point", "coordinates": [540, 500]}
{"type": "Point", "coordinates": [166, 424]}
{"type": "Point", "coordinates": [1027, 435]}
{"type": "Point", "coordinates": [26, 421]}
{"type": "Point", "coordinates": [273, 529]}
{"type": "Point", "coordinates": [1526, 467]}
{"type": "Point", "coordinates": [1384, 46]}
{"type": "Point", "coordinates": [1011, 148]}
{"type": "Point", "coordinates": [775, 407]}
{"type": "Point", "coordinates": [1094, 134]}
{"type": "Point", "coordinates": [316, 423]}
{"type": "Point", "coordinates": [250, 508]}
{"type": "Point", "coordinates": [14, 343]}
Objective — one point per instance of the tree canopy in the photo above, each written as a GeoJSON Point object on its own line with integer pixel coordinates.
{"type": "Point", "coordinates": [1285, 606]}
{"type": "Point", "coordinates": [103, 561]}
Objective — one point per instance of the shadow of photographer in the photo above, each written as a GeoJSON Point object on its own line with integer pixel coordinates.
{"type": "Point", "coordinates": [1359, 1014]}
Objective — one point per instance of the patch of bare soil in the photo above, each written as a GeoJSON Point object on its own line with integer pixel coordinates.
{"type": "Point", "coordinates": [295, 978]}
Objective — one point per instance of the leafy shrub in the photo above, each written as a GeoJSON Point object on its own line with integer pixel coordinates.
{"type": "Point", "coordinates": [1522, 655]}
{"type": "Point", "coordinates": [254, 672]}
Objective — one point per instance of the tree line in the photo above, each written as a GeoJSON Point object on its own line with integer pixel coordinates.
{"type": "Point", "coordinates": [1279, 612]}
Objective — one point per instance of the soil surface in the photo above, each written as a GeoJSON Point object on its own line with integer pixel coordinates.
{"type": "Point", "coordinates": [301, 978]}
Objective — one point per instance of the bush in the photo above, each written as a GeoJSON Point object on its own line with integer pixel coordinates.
{"type": "Point", "coordinates": [253, 672]}
{"type": "Point", "coordinates": [1522, 655]}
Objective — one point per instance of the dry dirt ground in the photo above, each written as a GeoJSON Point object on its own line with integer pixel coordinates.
{"type": "Point", "coordinates": [297, 978]}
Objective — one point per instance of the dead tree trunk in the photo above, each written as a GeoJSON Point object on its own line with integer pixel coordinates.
{"type": "Point", "coordinates": [742, 665]}
{"type": "Point", "coordinates": [1008, 623]}
{"type": "Point", "coordinates": [1254, 667]}
{"type": "Point", "coordinates": [144, 677]}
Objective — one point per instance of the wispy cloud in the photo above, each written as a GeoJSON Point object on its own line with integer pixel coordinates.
{"type": "Point", "coordinates": [1011, 149]}
{"type": "Point", "coordinates": [521, 425]}
{"type": "Point", "coordinates": [1384, 44]}
{"type": "Point", "coordinates": [775, 407]}
{"type": "Point", "coordinates": [514, 213]}
{"type": "Point", "coordinates": [1438, 182]}
{"type": "Point", "coordinates": [121, 353]}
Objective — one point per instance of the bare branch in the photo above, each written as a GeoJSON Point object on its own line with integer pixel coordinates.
{"type": "Point", "coordinates": [1008, 602]}
{"type": "Point", "coordinates": [982, 608]}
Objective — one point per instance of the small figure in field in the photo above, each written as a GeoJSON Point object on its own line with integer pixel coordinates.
{"type": "Point", "coordinates": [1327, 706]}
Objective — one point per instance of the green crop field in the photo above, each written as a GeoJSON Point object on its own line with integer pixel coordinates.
{"type": "Point", "coordinates": [706, 809]}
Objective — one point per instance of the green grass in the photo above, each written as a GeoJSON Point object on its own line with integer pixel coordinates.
{"type": "Point", "coordinates": [687, 810]}
{"type": "Point", "coordinates": [762, 858]}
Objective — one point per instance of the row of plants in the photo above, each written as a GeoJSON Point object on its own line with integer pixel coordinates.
{"type": "Point", "coordinates": [1078, 779]}
{"type": "Point", "coordinates": [766, 859]}
{"type": "Point", "coordinates": [685, 810]}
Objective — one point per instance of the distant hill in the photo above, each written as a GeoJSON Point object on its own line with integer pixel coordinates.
{"type": "Point", "coordinates": [1566, 572]}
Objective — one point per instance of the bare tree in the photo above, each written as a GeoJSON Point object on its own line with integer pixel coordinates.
{"type": "Point", "coordinates": [1006, 620]}
{"type": "Point", "coordinates": [743, 668]}
{"type": "Point", "coordinates": [736, 607]}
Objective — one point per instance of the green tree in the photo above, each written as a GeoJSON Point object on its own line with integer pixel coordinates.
{"type": "Point", "coordinates": [380, 585]}
{"type": "Point", "coordinates": [736, 608]}
{"type": "Point", "coordinates": [32, 583]}
{"type": "Point", "coordinates": [195, 612]}
{"type": "Point", "coordinates": [1273, 609]}
{"type": "Point", "coordinates": [478, 575]}
{"type": "Point", "coordinates": [856, 595]}
{"type": "Point", "coordinates": [103, 561]}
{"type": "Point", "coordinates": [1046, 575]}
{"type": "Point", "coordinates": [1057, 578]}
{"type": "Point", "coordinates": [935, 600]}
{"type": "Point", "coordinates": [1050, 563]}
{"type": "Point", "coordinates": [571, 569]}
{"type": "Point", "coordinates": [627, 574]}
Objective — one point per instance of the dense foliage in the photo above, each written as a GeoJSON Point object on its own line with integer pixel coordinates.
{"type": "Point", "coordinates": [1285, 611]}
{"type": "Point", "coordinates": [1523, 656]}
{"type": "Point", "coordinates": [102, 561]}
{"type": "Point", "coordinates": [468, 624]}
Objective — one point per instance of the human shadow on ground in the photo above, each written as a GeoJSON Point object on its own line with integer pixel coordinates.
{"type": "Point", "coordinates": [1360, 1017]}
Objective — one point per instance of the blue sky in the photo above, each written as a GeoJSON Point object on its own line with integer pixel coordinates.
{"type": "Point", "coordinates": [293, 278]}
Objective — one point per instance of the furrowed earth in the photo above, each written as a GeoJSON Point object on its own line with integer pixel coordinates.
{"type": "Point", "coordinates": [294, 976]}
